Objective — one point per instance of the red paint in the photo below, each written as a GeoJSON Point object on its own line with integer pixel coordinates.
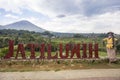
{"type": "Point", "coordinates": [96, 50]}
{"type": "Point", "coordinates": [90, 50]}
{"type": "Point", "coordinates": [67, 47]}
{"type": "Point", "coordinates": [42, 51]}
{"type": "Point", "coordinates": [49, 53]}
{"type": "Point", "coordinates": [93, 48]}
{"type": "Point", "coordinates": [11, 50]}
{"type": "Point", "coordinates": [32, 50]}
{"type": "Point", "coordinates": [68, 53]}
{"type": "Point", "coordinates": [84, 50]}
{"type": "Point", "coordinates": [20, 50]}
{"type": "Point", "coordinates": [76, 50]}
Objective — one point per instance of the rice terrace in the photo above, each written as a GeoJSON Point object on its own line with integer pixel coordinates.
{"type": "Point", "coordinates": [31, 51]}
{"type": "Point", "coordinates": [59, 39]}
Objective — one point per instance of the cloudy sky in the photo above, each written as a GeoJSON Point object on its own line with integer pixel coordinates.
{"type": "Point", "coordinates": [77, 16]}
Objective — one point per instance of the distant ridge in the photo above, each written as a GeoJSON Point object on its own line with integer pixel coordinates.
{"type": "Point", "coordinates": [23, 25]}
{"type": "Point", "coordinates": [1, 27]}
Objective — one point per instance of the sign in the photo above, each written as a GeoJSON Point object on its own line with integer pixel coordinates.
{"type": "Point", "coordinates": [77, 51]}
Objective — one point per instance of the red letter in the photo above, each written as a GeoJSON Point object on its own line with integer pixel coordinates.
{"type": "Point", "coordinates": [76, 50]}
{"type": "Point", "coordinates": [49, 53]}
{"type": "Point", "coordinates": [90, 50]}
{"type": "Point", "coordinates": [42, 50]}
{"type": "Point", "coordinates": [11, 50]}
{"type": "Point", "coordinates": [95, 50]}
{"type": "Point", "coordinates": [32, 50]}
{"type": "Point", "coordinates": [67, 47]}
{"type": "Point", "coordinates": [21, 50]}
{"type": "Point", "coordinates": [84, 48]}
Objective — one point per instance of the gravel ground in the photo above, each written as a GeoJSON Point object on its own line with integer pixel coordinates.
{"type": "Point", "coordinates": [87, 74]}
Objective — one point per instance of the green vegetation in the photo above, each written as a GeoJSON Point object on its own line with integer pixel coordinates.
{"type": "Point", "coordinates": [19, 37]}
{"type": "Point", "coordinates": [55, 65]}
{"type": "Point", "coordinates": [25, 37]}
{"type": "Point", "coordinates": [47, 65]}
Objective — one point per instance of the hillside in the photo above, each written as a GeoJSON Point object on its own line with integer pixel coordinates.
{"type": "Point", "coordinates": [23, 25]}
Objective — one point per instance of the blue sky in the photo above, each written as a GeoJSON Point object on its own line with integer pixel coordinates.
{"type": "Point", "coordinates": [77, 16]}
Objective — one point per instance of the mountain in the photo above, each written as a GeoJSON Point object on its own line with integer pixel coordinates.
{"type": "Point", "coordinates": [1, 27]}
{"type": "Point", "coordinates": [23, 25]}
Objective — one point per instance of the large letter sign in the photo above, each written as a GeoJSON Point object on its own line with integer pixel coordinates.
{"type": "Point", "coordinates": [77, 51]}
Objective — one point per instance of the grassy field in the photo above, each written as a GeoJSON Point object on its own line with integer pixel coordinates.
{"type": "Point", "coordinates": [57, 65]}
{"type": "Point", "coordinates": [12, 65]}
{"type": "Point", "coordinates": [56, 41]}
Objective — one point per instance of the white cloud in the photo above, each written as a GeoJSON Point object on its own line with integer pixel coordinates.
{"type": "Point", "coordinates": [81, 24]}
{"type": "Point", "coordinates": [80, 15]}
{"type": "Point", "coordinates": [70, 24]}
{"type": "Point", "coordinates": [12, 5]}
{"type": "Point", "coordinates": [11, 16]}
{"type": "Point", "coordinates": [56, 7]}
{"type": "Point", "coordinates": [108, 21]}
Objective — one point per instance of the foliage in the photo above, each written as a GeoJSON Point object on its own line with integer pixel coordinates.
{"type": "Point", "coordinates": [20, 36]}
{"type": "Point", "coordinates": [33, 65]}
{"type": "Point", "coordinates": [3, 51]}
{"type": "Point", "coordinates": [78, 36]}
{"type": "Point", "coordinates": [103, 35]}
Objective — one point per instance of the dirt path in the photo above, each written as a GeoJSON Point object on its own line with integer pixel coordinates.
{"type": "Point", "coordinates": [89, 74]}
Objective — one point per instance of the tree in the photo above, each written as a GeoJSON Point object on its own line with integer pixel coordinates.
{"type": "Point", "coordinates": [78, 36]}
{"type": "Point", "coordinates": [48, 34]}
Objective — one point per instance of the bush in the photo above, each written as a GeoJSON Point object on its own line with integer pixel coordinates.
{"type": "Point", "coordinates": [118, 48]}
{"type": "Point", "coordinates": [102, 49]}
{"type": "Point", "coordinates": [3, 51]}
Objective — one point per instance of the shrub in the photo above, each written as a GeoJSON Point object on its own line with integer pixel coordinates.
{"type": "Point", "coordinates": [3, 51]}
{"type": "Point", "coordinates": [118, 48]}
